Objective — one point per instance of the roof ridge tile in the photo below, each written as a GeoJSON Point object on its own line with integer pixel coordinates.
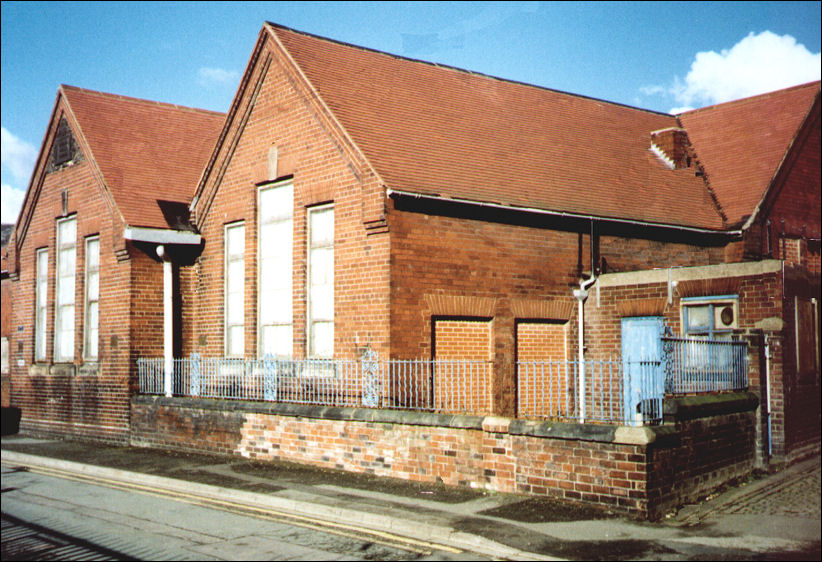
{"type": "Point", "coordinates": [752, 99]}
{"type": "Point", "coordinates": [464, 70]}
{"type": "Point", "coordinates": [122, 97]}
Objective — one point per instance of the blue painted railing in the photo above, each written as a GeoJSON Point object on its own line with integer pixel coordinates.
{"type": "Point", "coordinates": [598, 391]}
{"type": "Point", "coordinates": [694, 365]}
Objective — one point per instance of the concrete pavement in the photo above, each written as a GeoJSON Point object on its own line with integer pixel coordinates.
{"type": "Point", "coordinates": [774, 516]}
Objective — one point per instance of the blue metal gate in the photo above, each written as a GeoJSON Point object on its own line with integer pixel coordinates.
{"type": "Point", "coordinates": [644, 377]}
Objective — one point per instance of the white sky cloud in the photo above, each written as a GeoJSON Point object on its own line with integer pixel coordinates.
{"type": "Point", "coordinates": [18, 156]}
{"type": "Point", "coordinates": [10, 203]}
{"type": "Point", "coordinates": [18, 159]}
{"type": "Point", "coordinates": [757, 64]}
{"type": "Point", "coordinates": [678, 110]}
{"type": "Point", "coordinates": [217, 76]}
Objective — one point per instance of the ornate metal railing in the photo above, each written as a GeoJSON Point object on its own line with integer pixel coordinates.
{"type": "Point", "coordinates": [629, 392]}
{"type": "Point", "coordinates": [449, 386]}
{"type": "Point", "coordinates": [600, 391]}
{"type": "Point", "coordinates": [695, 365]}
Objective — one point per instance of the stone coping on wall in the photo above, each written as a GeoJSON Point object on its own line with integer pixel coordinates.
{"type": "Point", "coordinates": [688, 407]}
{"type": "Point", "coordinates": [647, 277]}
{"type": "Point", "coordinates": [706, 405]}
{"type": "Point", "coordinates": [372, 415]}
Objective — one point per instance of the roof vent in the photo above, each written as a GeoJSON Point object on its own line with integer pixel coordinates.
{"type": "Point", "coordinates": [672, 146]}
{"type": "Point", "coordinates": [64, 149]}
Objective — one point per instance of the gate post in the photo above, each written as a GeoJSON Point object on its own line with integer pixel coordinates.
{"type": "Point", "coordinates": [370, 366]}
{"type": "Point", "coordinates": [195, 374]}
{"type": "Point", "coordinates": [269, 379]}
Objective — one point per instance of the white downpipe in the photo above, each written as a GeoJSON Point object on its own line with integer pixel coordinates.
{"type": "Point", "coordinates": [581, 294]}
{"type": "Point", "coordinates": [168, 322]}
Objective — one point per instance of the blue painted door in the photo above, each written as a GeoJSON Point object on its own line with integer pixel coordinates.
{"type": "Point", "coordinates": [644, 380]}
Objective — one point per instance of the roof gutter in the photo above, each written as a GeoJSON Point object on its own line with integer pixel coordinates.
{"type": "Point", "coordinates": [161, 236]}
{"type": "Point", "coordinates": [562, 214]}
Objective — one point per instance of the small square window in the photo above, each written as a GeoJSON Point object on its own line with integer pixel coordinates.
{"type": "Point", "coordinates": [710, 318]}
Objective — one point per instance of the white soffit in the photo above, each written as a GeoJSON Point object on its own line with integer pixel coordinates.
{"type": "Point", "coordinates": [160, 235]}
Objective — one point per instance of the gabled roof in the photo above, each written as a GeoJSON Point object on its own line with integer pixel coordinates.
{"type": "Point", "coordinates": [434, 130]}
{"type": "Point", "coordinates": [741, 144]}
{"type": "Point", "coordinates": [150, 154]}
{"type": "Point", "coordinates": [431, 130]}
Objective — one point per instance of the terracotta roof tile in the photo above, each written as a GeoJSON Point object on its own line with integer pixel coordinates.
{"type": "Point", "coordinates": [740, 144]}
{"type": "Point", "coordinates": [441, 131]}
{"type": "Point", "coordinates": [151, 154]}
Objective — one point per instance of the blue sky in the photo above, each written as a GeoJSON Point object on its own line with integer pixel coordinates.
{"type": "Point", "coordinates": [659, 56]}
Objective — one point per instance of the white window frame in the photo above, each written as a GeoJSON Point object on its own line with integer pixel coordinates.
{"type": "Point", "coordinates": [91, 328]}
{"type": "Point", "coordinates": [4, 348]}
{"type": "Point", "coordinates": [228, 288]}
{"type": "Point", "coordinates": [63, 247]}
{"type": "Point", "coordinates": [311, 319]}
{"type": "Point", "coordinates": [41, 293]}
{"type": "Point", "coordinates": [712, 332]}
{"type": "Point", "coordinates": [287, 265]}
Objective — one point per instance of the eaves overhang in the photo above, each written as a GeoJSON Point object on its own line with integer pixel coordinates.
{"type": "Point", "coordinates": [563, 214]}
{"type": "Point", "coordinates": [161, 236]}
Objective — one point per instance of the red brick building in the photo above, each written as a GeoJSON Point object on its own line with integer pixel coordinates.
{"type": "Point", "coordinates": [111, 183]}
{"type": "Point", "coordinates": [463, 221]}
{"type": "Point", "coordinates": [357, 201]}
{"type": "Point", "coordinates": [5, 317]}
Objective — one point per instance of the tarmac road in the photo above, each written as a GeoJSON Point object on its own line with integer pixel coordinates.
{"type": "Point", "coordinates": [79, 517]}
{"type": "Point", "coordinates": [777, 517]}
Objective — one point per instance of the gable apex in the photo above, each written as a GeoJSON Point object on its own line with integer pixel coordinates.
{"type": "Point", "coordinates": [65, 150]}
{"type": "Point", "coordinates": [149, 173]}
{"type": "Point", "coordinates": [269, 50]}
{"type": "Point", "coordinates": [62, 146]}
{"type": "Point", "coordinates": [145, 174]}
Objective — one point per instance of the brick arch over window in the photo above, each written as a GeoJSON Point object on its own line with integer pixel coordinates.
{"type": "Point", "coordinates": [708, 287]}
{"type": "Point", "coordinates": [641, 307]}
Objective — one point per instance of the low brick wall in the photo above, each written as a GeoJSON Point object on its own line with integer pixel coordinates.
{"type": "Point", "coordinates": [76, 401]}
{"type": "Point", "coordinates": [712, 442]}
{"type": "Point", "coordinates": [644, 472]}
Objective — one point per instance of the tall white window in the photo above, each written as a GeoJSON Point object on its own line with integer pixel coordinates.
{"type": "Point", "coordinates": [92, 297]}
{"type": "Point", "coordinates": [41, 310]}
{"type": "Point", "coordinates": [234, 290]}
{"type": "Point", "coordinates": [275, 270]}
{"type": "Point", "coordinates": [64, 304]}
{"type": "Point", "coordinates": [321, 281]}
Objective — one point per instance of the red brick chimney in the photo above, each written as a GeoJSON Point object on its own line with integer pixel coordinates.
{"type": "Point", "coordinates": [673, 145]}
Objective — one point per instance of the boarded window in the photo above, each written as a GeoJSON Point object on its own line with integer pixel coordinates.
{"type": "Point", "coordinates": [543, 374]}
{"type": "Point", "coordinates": [463, 353]}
